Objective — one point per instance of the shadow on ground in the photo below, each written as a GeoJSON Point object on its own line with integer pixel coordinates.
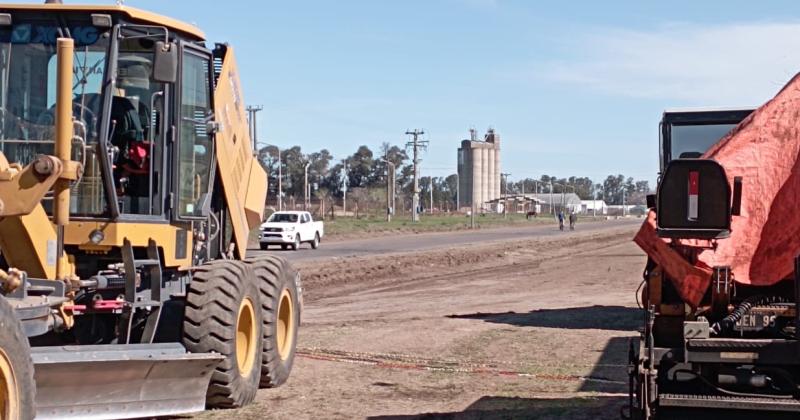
{"type": "Point", "coordinates": [610, 372]}
{"type": "Point", "coordinates": [617, 318]}
{"type": "Point", "coordinates": [490, 408]}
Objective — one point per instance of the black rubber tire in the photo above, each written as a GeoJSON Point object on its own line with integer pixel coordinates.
{"type": "Point", "coordinates": [263, 246]}
{"type": "Point", "coordinates": [297, 242]}
{"type": "Point", "coordinates": [315, 242]}
{"type": "Point", "coordinates": [275, 274]}
{"type": "Point", "coordinates": [15, 345]}
{"type": "Point", "coordinates": [215, 295]}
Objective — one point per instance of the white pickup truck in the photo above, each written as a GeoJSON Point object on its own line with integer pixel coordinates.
{"type": "Point", "coordinates": [290, 229]}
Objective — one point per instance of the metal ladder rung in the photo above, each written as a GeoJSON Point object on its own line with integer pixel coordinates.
{"type": "Point", "coordinates": [144, 303]}
{"type": "Point", "coordinates": [146, 263]}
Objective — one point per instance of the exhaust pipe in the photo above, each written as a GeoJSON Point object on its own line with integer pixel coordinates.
{"type": "Point", "coordinates": [63, 129]}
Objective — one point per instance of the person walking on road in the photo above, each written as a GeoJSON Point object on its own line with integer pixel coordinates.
{"type": "Point", "coordinates": [573, 217]}
{"type": "Point", "coordinates": [560, 220]}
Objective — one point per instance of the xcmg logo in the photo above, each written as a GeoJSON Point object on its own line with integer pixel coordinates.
{"type": "Point", "coordinates": [36, 34]}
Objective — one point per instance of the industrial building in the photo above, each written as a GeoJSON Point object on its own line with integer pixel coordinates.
{"type": "Point", "coordinates": [479, 170]}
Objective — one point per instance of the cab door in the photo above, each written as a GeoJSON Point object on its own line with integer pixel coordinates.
{"type": "Point", "coordinates": [193, 161]}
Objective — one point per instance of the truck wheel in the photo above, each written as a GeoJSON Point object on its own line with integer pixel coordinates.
{"type": "Point", "coordinates": [315, 242]}
{"type": "Point", "coordinates": [17, 386]}
{"type": "Point", "coordinates": [296, 244]}
{"type": "Point", "coordinates": [281, 313]}
{"type": "Point", "coordinates": [264, 246]}
{"type": "Point", "coordinates": [222, 315]}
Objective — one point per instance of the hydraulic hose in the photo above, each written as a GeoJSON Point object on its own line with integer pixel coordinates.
{"type": "Point", "coordinates": [729, 321]}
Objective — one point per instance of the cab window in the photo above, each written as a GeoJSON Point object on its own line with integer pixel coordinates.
{"type": "Point", "coordinates": [137, 108]}
{"type": "Point", "coordinates": [195, 146]}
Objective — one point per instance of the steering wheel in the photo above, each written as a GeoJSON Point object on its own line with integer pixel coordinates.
{"type": "Point", "coordinates": [48, 118]}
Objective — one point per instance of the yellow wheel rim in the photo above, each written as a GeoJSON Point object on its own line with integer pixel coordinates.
{"type": "Point", "coordinates": [246, 340]}
{"type": "Point", "coordinates": [285, 333]}
{"type": "Point", "coordinates": [9, 396]}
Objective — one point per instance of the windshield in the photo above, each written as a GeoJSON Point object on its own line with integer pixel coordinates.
{"type": "Point", "coordinates": [691, 141]}
{"type": "Point", "coordinates": [283, 218]}
{"type": "Point", "coordinates": [28, 93]}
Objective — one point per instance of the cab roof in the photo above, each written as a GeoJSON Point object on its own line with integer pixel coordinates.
{"type": "Point", "coordinates": [130, 12]}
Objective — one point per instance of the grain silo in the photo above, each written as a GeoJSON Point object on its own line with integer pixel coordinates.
{"type": "Point", "coordinates": [479, 170]}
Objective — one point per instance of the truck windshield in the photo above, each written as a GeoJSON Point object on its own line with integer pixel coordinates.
{"type": "Point", "coordinates": [283, 218]}
{"type": "Point", "coordinates": [28, 95]}
{"type": "Point", "coordinates": [691, 141]}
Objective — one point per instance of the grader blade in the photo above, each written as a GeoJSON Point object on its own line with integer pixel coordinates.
{"type": "Point", "coordinates": [120, 381]}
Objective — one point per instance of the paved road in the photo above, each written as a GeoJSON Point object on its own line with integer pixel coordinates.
{"type": "Point", "coordinates": [405, 243]}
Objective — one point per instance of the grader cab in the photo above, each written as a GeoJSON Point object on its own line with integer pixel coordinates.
{"type": "Point", "coordinates": [128, 188]}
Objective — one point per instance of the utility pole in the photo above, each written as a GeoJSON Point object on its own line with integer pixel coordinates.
{"type": "Point", "coordinates": [505, 196]}
{"type": "Point", "coordinates": [551, 198]}
{"type": "Point", "coordinates": [280, 181]}
{"type": "Point", "coordinates": [305, 186]}
{"type": "Point", "coordinates": [416, 144]}
{"type": "Point", "coordinates": [431, 206]}
{"type": "Point", "coordinates": [389, 189]}
{"type": "Point", "coordinates": [624, 210]}
{"type": "Point", "coordinates": [394, 187]}
{"type": "Point", "coordinates": [251, 111]}
{"type": "Point", "coordinates": [472, 216]}
{"type": "Point", "coordinates": [344, 189]}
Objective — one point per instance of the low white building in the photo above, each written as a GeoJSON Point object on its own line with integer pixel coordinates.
{"type": "Point", "coordinates": [594, 207]}
{"type": "Point", "coordinates": [566, 202]}
{"type": "Point", "coordinates": [626, 210]}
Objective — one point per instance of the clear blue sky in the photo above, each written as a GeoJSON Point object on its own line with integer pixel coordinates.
{"type": "Point", "coordinates": [573, 88]}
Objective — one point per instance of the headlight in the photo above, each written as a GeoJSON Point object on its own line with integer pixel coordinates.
{"type": "Point", "coordinates": [290, 229]}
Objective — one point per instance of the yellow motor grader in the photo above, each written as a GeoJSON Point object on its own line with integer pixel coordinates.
{"type": "Point", "coordinates": [128, 188]}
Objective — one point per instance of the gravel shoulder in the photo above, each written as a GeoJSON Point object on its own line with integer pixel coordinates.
{"type": "Point", "coordinates": [534, 328]}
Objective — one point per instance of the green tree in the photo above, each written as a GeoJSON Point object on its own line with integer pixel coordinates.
{"type": "Point", "coordinates": [361, 168]}
{"type": "Point", "coordinates": [391, 153]}
{"type": "Point", "coordinates": [294, 162]}
{"type": "Point", "coordinates": [613, 186]}
{"type": "Point", "coordinates": [268, 158]}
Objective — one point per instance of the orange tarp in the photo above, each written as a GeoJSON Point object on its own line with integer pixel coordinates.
{"type": "Point", "coordinates": [765, 150]}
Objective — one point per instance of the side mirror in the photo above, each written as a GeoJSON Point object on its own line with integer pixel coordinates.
{"type": "Point", "coordinates": [736, 206]}
{"type": "Point", "coordinates": [651, 201]}
{"type": "Point", "coordinates": [165, 63]}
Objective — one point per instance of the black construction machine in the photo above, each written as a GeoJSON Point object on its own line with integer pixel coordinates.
{"type": "Point", "coordinates": [739, 349]}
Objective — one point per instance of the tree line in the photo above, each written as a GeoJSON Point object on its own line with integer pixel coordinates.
{"type": "Point", "coordinates": [365, 172]}
{"type": "Point", "coordinates": [614, 190]}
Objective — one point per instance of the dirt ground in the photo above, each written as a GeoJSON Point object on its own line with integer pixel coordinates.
{"type": "Point", "coordinates": [530, 329]}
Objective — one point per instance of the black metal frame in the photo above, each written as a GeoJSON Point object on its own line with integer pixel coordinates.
{"type": "Point", "coordinates": [700, 117]}
{"type": "Point", "coordinates": [184, 48]}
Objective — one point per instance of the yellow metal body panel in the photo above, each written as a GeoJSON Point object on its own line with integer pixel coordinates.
{"type": "Point", "coordinates": [27, 236]}
{"type": "Point", "coordinates": [77, 233]}
{"type": "Point", "coordinates": [25, 241]}
{"type": "Point", "coordinates": [22, 189]}
{"type": "Point", "coordinates": [131, 12]}
{"type": "Point", "coordinates": [243, 180]}
{"type": "Point", "coordinates": [256, 195]}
